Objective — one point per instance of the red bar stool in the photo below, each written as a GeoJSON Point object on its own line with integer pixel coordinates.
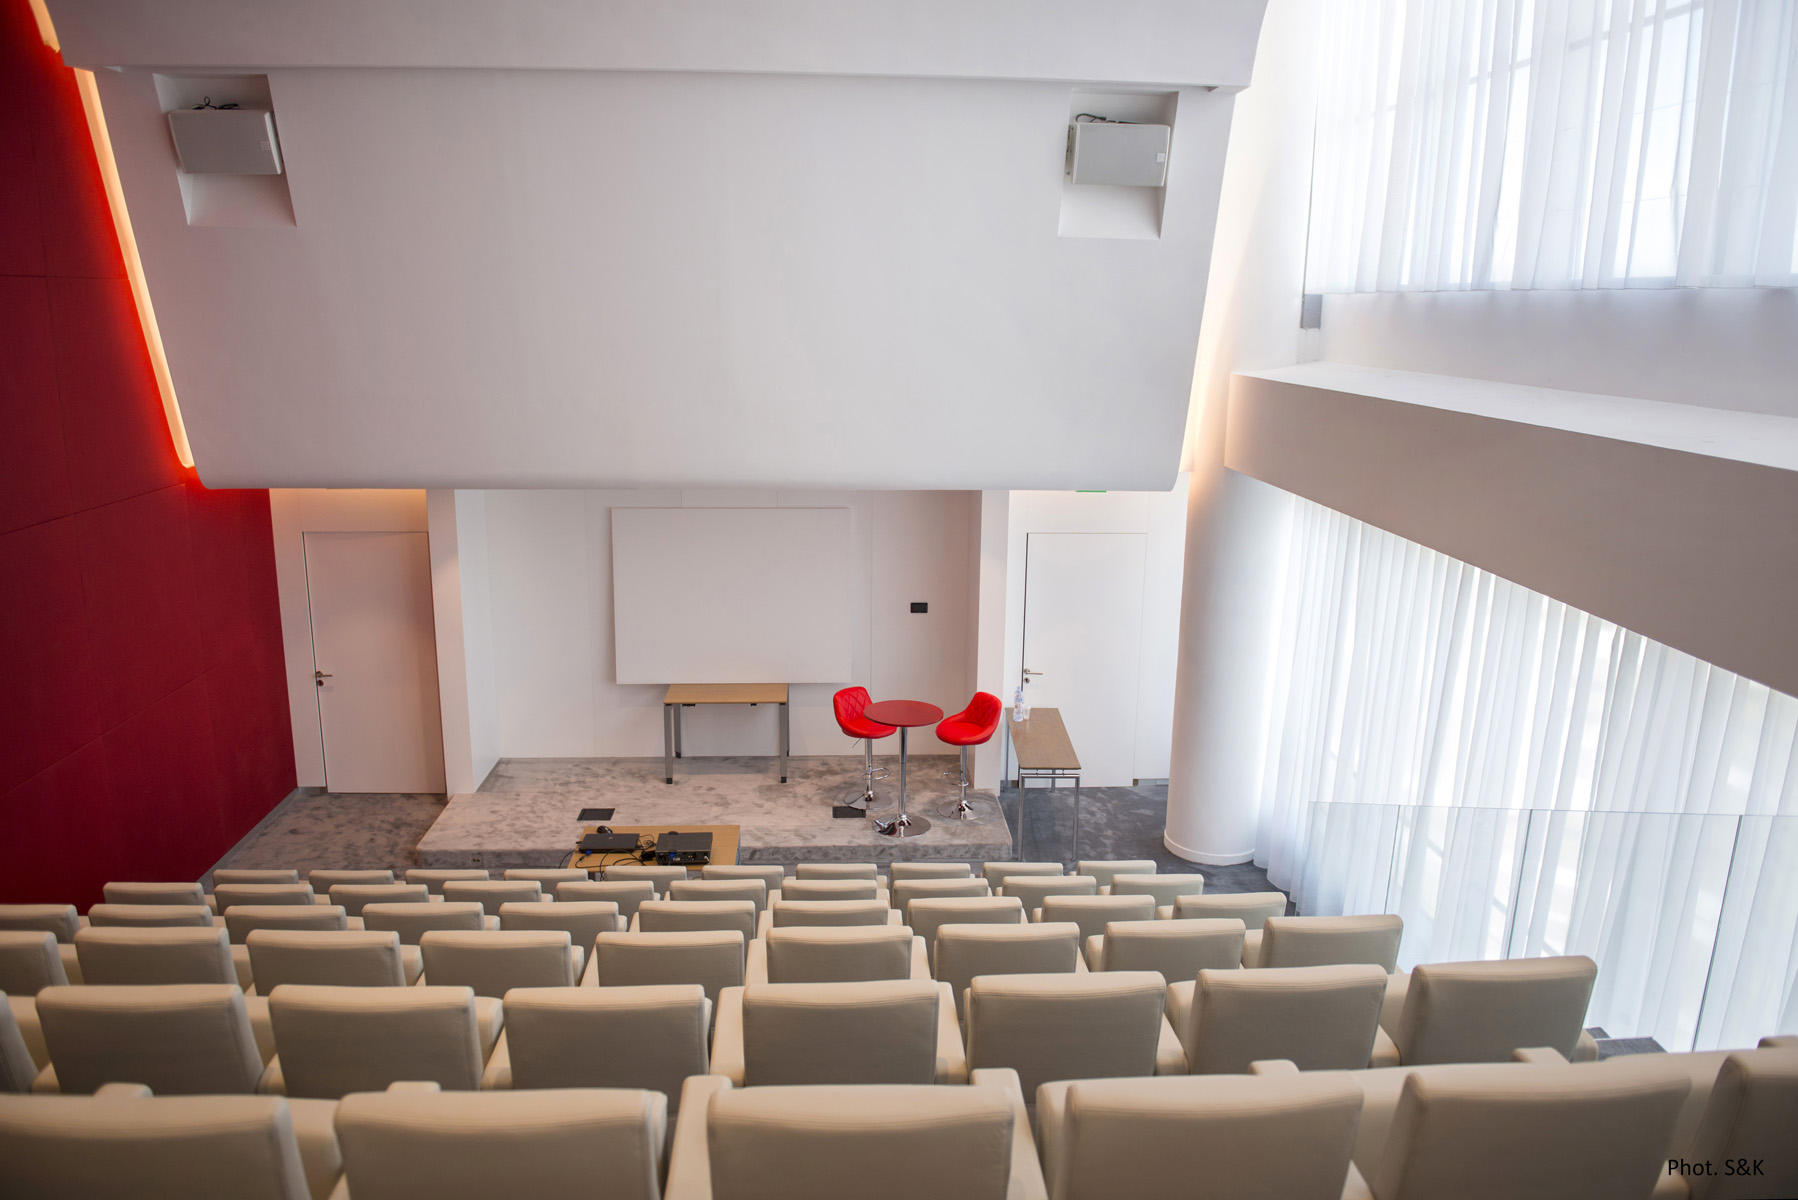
{"type": "Point", "coordinates": [849, 704]}
{"type": "Point", "coordinates": [972, 726]}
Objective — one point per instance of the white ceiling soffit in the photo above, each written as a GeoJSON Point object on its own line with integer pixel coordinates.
{"type": "Point", "coordinates": [723, 244]}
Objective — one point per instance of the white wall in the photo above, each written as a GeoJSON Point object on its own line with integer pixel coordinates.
{"type": "Point", "coordinates": [1162, 517]}
{"type": "Point", "coordinates": [550, 563]}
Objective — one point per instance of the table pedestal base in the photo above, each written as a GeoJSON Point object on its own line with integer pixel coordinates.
{"type": "Point", "coordinates": [902, 826]}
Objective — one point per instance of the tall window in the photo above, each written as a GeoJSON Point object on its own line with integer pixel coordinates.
{"type": "Point", "coordinates": [1466, 144]}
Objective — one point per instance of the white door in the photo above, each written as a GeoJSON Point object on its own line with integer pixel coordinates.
{"type": "Point", "coordinates": [374, 655]}
{"type": "Point", "coordinates": [1083, 640]}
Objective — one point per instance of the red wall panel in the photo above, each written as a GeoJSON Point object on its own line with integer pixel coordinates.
{"type": "Point", "coordinates": [143, 708]}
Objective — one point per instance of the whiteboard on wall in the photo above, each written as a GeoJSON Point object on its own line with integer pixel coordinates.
{"type": "Point", "coordinates": [731, 595]}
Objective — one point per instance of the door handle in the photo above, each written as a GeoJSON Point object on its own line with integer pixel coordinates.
{"type": "Point", "coordinates": [319, 677]}
{"type": "Point", "coordinates": [1028, 672]}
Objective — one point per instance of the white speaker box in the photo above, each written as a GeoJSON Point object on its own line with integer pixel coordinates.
{"type": "Point", "coordinates": [1118, 153]}
{"type": "Point", "coordinates": [226, 141]}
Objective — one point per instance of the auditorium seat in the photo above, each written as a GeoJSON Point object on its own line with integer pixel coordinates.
{"type": "Point", "coordinates": [887, 1031]}
{"type": "Point", "coordinates": [1248, 1137]}
{"type": "Point", "coordinates": [1251, 908]}
{"type": "Point", "coordinates": [964, 951]}
{"type": "Point", "coordinates": [57, 919]}
{"type": "Point", "coordinates": [356, 958]}
{"type": "Point", "coordinates": [905, 891]}
{"type": "Point", "coordinates": [995, 873]}
{"type": "Point", "coordinates": [154, 893]}
{"type": "Point", "coordinates": [753, 890]}
{"type": "Point", "coordinates": [930, 914]}
{"type": "Point", "coordinates": [550, 878]}
{"type": "Point", "coordinates": [844, 954]}
{"type": "Point", "coordinates": [227, 896]}
{"type": "Point", "coordinates": [820, 1142]}
{"type": "Point", "coordinates": [1325, 942]}
{"type": "Point", "coordinates": [242, 919]}
{"type": "Point", "coordinates": [29, 962]}
{"type": "Point", "coordinates": [836, 871]}
{"type": "Point", "coordinates": [1752, 1107]}
{"type": "Point", "coordinates": [1105, 869]}
{"type": "Point", "coordinates": [1475, 1012]}
{"type": "Point", "coordinates": [623, 1037]}
{"type": "Point", "coordinates": [493, 962]}
{"type": "Point", "coordinates": [1094, 913]}
{"type": "Point", "coordinates": [18, 1065]}
{"type": "Point", "coordinates": [491, 893]}
{"type": "Point", "coordinates": [784, 913]}
{"type": "Point", "coordinates": [712, 959]}
{"type": "Point", "coordinates": [1179, 950]}
{"type": "Point", "coordinates": [676, 916]}
{"type": "Point", "coordinates": [323, 880]}
{"type": "Point", "coordinates": [1031, 889]}
{"type": "Point", "coordinates": [254, 875]}
{"type": "Point", "coordinates": [583, 921]}
{"type": "Point", "coordinates": [1061, 1026]}
{"type": "Point", "coordinates": [354, 897]}
{"type": "Point", "coordinates": [920, 870]}
{"type": "Point", "coordinates": [145, 915]}
{"type": "Point", "coordinates": [435, 877]}
{"type": "Point", "coordinates": [158, 955]}
{"type": "Point", "coordinates": [658, 877]}
{"type": "Point", "coordinates": [414, 1141]}
{"type": "Point", "coordinates": [1165, 888]}
{"type": "Point", "coordinates": [176, 1039]}
{"type": "Point", "coordinates": [411, 919]}
{"type": "Point", "coordinates": [774, 877]}
{"type": "Point", "coordinates": [1322, 1018]}
{"type": "Point", "coordinates": [833, 889]}
{"type": "Point", "coordinates": [627, 894]}
{"type": "Point", "coordinates": [331, 1041]}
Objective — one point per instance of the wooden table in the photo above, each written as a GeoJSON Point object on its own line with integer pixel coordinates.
{"type": "Point", "coordinates": [905, 715]}
{"type": "Point", "coordinates": [724, 844]}
{"type": "Point", "coordinates": [1044, 751]}
{"type": "Point", "coordinates": [686, 695]}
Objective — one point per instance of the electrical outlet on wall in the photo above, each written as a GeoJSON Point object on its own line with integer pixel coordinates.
{"type": "Point", "coordinates": [919, 606]}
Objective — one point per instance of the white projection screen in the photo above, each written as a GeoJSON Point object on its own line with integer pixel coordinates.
{"type": "Point", "coordinates": [731, 595]}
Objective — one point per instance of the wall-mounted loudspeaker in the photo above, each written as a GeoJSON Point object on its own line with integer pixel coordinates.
{"type": "Point", "coordinates": [226, 141]}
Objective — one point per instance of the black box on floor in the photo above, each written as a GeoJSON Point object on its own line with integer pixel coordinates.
{"type": "Point", "coordinates": [674, 849]}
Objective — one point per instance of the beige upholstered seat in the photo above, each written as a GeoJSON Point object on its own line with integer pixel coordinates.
{"type": "Point", "coordinates": [906, 891]}
{"type": "Point", "coordinates": [411, 1142]}
{"type": "Point", "coordinates": [1325, 942]}
{"type": "Point", "coordinates": [353, 958]}
{"type": "Point", "coordinates": [1106, 869]}
{"type": "Point", "coordinates": [923, 870]}
{"type": "Point", "coordinates": [839, 954]}
{"type": "Point", "coordinates": [335, 1040]}
{"type": "Point", "coordinates": [1179, 950]}
{"type": "Point", "coordinates": [29, 962]}
{"type": "Point", "coordinates": [412, 919]}
{"type": "Point", "coordinates": [639, 1037]}
{"type": "Point", "coordinates": [230, 895]}
{"type": "Point", "coordinates": [58, 920]}
{"type": "Point", "coordinates": [783, 912]}
{"type": "Point", "coordinates": [491, 893]}
{"type": "Point", "coordinates": [658, 877]}
{"type": "Point", "coordinates": [354, 897]}
{"type": "Point", "coordinates": [888, 1031]}
{"type": "Point", "coordinates": [176, 1039]}
{"type": "Point", "coordinates": [930, 914]}
{"type": "Point", "coordinates": [583, 921]}
{"type": "Point", "coordinates": [832, 889]}
{"type": "Point", "coordinates": [493, 962]}
{"type": "Point", "coordinates": [965, 951]}
{"type": "Point", "coordinates": [819, 1143]}
{"type": "Point", "coordinates": [1032, 889]}
{"type": "Point", "coordinates": [837, 871]}
{"type": "Point", "coordinates": [1251, 908]}
{"type": "Point", "coordinates": [323, 880]}
{"type": "Point", "coordinates": [677, 916]}
{"type": "Point", "coordinates": [1483, 1011]}
{"type": "Point", "coordinates": [774, 878]}
{"type": "Point", "coordinates": [1063, 1026]}
{"type": "Point", "coordinates": [1164, 888]}
{"type": "Point", "coordinates": [18, 1064]}
{"type": "Point", "coordinates": [20, 1018]}
{"type": "Point", "coordinates": [995, 873]}
{"type": "Point", "coordinates": [1248, 1137]}
{"type": "Point", "coordinates": [155, 955]}
{"type": "Point", "coordinates": [253, 875]}
{"type": "Point", "coordinates": [142, 915]}
{"type": "Point", "coordinates": [753, 890]}
{"type": "Point", "coordinates": [154, 893]}
{"type": "Point", "coordinates": [241, 919]}
{"type": "Point", "coordinates": [1094, 913]}
{"type": "Point", "coordinates": [713, 959]}
{"type": "Point", "coordinates": [627, 894]}
{"type": "Point", "coordinates": [1751, 1114]}
{"type": "Point", "coordinates": [1321, 1018]}
{"type": "Point", "coordinates": [550, 878]}
{"type": "Point", "coordinates": [435, 877]}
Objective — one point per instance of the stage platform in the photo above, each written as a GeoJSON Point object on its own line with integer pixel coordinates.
{"type": "Point", "coordinates": [526, 814]}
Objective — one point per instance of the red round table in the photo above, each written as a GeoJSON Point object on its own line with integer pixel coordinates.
{"type": "Point", "coordinates": [906, 714]}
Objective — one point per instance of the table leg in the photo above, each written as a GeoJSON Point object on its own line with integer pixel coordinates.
{"type": "Point", "coordinates": [668, 743]}
{"type": "Point", "coordinates": [783, 741]}
{"type": "Point", "coordinates": [1076, 818]}
{"type": "Point", "coordinates": [677, 730]}
{"type": "Point", "coordinates": [903, 825]}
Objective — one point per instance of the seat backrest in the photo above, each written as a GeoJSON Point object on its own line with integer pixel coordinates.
{"type": "Point", "coordinates": [1481, 1011]}
{"type": "Point", "coordinates": [1103, 1025]}
{"type": "Point", "coordinates": [1551, 1133]}
{"type": "Point", "coordinates": [491, 893]}
{"type": "Point", "coordinates": [403, 1144]}
{"type": "Point", "coordinates": [1106, 869]}
{"type": "Point", "coordinates": [996, 873]}
{"type": "Point", "coordinates": [552, 878]}
{"type": "Point", "coordinates": [1165, 888]}
{"type": "Point", "coordinates": [347, 958]}
{"type": "Point", "coordinates": [156, 1148]}
{"type": "Point", "coordinates": [1331, 941]}
{"type": "Point", "coordinates": [29, 962]}
{"type": "Point", "coordinates": [17, 1069]}
{"type": "Point", "coordinates": [1177, 950]}
{"type": "Point", "coordinates": [435, 877]}
{"type": "Point", "coordinates": [154, 893]}
{"type": "Point", "coordinates": [844, 954]}
{"type": "Point", "coordinates": [786, 913]}
{"type": "Point", "coordinates": [412, 919]}
{"type": "Point", "coordinates": [1250, 1137]}
{"type": "Point", "coordinates": [642, 1037]}
{"type": "Point", "coordinates": [931, 914]}
{"type": "Point", "coordinates": [1751, 1116]}
{"type": "Point", "coordinates": [240, 919]}
{"type": "Point", "coordinates": [834, 871]}
{"type": "Point", "coordinates": [581, 920]}
{"type": "Point", "coordinates": [819, 1142]}
{"type": "Point", "coordinates": [753, 890]}
{"type": "Point", "coordinates": [908, 891]}
{"type": "Point", "coordinates": [494, 961]}
{"type": "Point", "coordinates": [141, 915]}
{"type": "Point", "coordinates": [254, 875]}
{"type": "Point", "coordinates": [714, 959]}
{"type": "Point", "coordinates": [57, 919]}
{"type": "Point", "coordinates": [181, 1039]}
{"type": "Point", "coordinates": [155, 955]}
{"type": "Point", "coordinates": [774, 877]}
{"type": "Point", "coordinates": [875, 1032]}
{"type": "Point", "coordinates": [323, 880]}
{"type": "Point", "coordinates": [848, 704]}
{"type": "Point", "coordinates": [1032, 889]}
{"type": "Point", "coordinates": [354, 897]}
{"type": "Point", "coordinates": [659, 877]}
{"type": "Point", "coordinates": [675, 916]}
{"type": "Point", "coordinates": [1322, 1018]}
{"type": "Point", "coordinates": [228, 895]}
{"type": "Point", "coordinates": [1251, 908]}
{"type": "Point", "coordinates": [830, 889]}
{"type": "Point", "coordinates": [927, 870]}
{"type": "Point", "coordinates": [337, 1040]}
{"type": "Point", "coordinates": [1094, 913]}
{"type": "Point", "coordinates": [965, 951]}
{"type": "Point", "coordinates": [627, 894]}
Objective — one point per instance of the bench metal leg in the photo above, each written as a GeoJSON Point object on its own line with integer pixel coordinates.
{"type": "Point", "coordinates": [668, 711]}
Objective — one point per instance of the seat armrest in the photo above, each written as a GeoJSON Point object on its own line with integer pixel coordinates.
{"type": "Point", "coordinates": [1164, 912]}
{"type": "Point", "coordinates": [1105, 889]}
{"type": "Point", "coordinates": [122, 1091]}
{"type": "Point", "coordinates": [1035, 915]}
{"type": "Point", "coordinates": [575, 962]}
{"type": "Point", "coordinates": [321, 897]}
{"type": "Point", "coordinates": [690, 1158]}
{"type": "Point", "coordinates": [1354, 1187]}
{"type": "Point", "coordinates": [24, 1013]}
{"type": "Point", "coordinates": [637, 920]}
{"type": "Point", "coordinates": [412, 964]}
{"type": "Point", "coordinates": [354, 923]}
{"type": "Point", "coordinates": [1170, 1055]}
{"type": "Point", "coordinates": [1094, 949]}
{"type": "Point", "coordinates": [240, 962]}
{"type": "Point", "coordinates": [1273, 1067]}
{"type": "Point", "coordinates": [1027, 1181]}
{"type": "Point", "coordinates": [1080, 964]}
{"type": "Point", "coordinates": [951, 1054]}
{"type": "Point", "coordinates": [272, 1083]}
{"type": "Point", "coordinates": [590, 973]}
{"type": "Point", "coordinates": [755, 969]}
{"type": "Point", "coordinates": [727, 1038]}
{"type": "Point", "coordinates": [1385, 1050]}
{"type": "Point", "coordinates": [261, 1028]}
{"type": "Point", "coordinates": [920, 959]}
{"type": "Point", "coordinates": [894, 918]}
{"type": "Point", "coordinates": [1670, 1187]}
{"type": "Point", "coordinates": [71, 961]}
{"type": "Point", "coordinates": [212, 903]}
{"type": "Point", "coordinates": [45, 1084]}
{"type": "Point", "coordinates": [1180, 999]}
{"type": "Point", "coordinates": [764, 921]}
{"type": "Point", "coordinates": [489, 1019]}
{"type": "Point", "coordinates": [498, 1075]}
{"type": "Point", "coordinates": [1392, 1008]}
{"type": "Point", "coordinates": [1541, 1056]}
{"type": "Point", "coordinates": [490, 923]}
{"type": "Point", "coordinates": [1586, 1049]}
{"type": "Point", "coordinates": [320, 1157]}
{"type": "Point", "coordinates": [1251, 948]}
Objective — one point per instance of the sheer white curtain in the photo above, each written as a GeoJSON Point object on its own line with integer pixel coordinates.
{"type": "Point", "coordinates": [1555, 144]}
{"type": "Point", "coordinates": [1516, 778]}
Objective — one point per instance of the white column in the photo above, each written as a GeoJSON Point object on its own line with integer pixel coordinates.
{"type": "Point", "coordinates": [464, 614]}
{"type": "Point", "coordinates": [991, 533]}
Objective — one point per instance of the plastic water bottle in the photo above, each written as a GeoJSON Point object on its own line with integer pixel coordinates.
{"type": "Point", "coordinates": [1018, 711]}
